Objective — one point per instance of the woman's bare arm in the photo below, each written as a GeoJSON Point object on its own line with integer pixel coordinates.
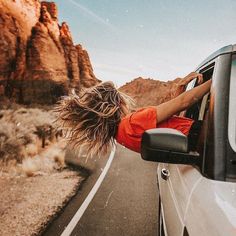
{"type": "Point", "coordinates": [180, 85]}
{"type": "Point", "coordinates": [182, 102]}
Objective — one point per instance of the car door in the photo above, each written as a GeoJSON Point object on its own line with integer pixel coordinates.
{"type": "Point", "coordinates": [214, 196]}
{"type": "Point", "coordinates": [175, 190]}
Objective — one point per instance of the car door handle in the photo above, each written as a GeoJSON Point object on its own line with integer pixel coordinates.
{"type": "Point", "coordinates": [165, 174]}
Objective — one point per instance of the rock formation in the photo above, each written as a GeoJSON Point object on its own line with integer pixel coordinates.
{"type": "Point", "coordinates": [38, 60]}
{"type": "Point", "coordinates": [150, 92]}
{"type": "Point", "coordinates": [86, 71]}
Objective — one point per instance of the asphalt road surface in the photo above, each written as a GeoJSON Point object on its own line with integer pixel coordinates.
{"type": "Point", "coordinates": [125, 204]}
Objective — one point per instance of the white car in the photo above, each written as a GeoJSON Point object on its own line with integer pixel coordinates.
{"type": "Point", "coordinates": [198, 189]}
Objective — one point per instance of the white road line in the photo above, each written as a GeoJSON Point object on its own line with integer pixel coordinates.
{"type": "Point", "coordinates": [70, 227]}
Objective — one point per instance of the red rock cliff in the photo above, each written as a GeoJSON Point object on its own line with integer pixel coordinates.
{"type": "Point", "coordinates": [150, 92]}
{"type": "Point", "coordinates": [38, 60]}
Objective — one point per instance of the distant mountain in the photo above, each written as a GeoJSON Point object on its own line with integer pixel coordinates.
{"type": "Point", "coordinates": [148, 92]}
{"type": "Point", "coordinates": [38, 59]}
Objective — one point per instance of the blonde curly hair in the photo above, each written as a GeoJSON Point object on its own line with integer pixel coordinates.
{"type": "Point", "coordinates": [90, 119]}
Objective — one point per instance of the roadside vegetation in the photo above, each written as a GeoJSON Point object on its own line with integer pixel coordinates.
{"type": "Point", "coordinates": [35, 182]}
{"type": "Point", "coordinates": [29, 141]}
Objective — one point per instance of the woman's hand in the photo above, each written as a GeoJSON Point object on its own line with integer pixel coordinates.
{"type": "Point", "coordinates": [180, 86]}
{"type": "Point", "coordinates": [182, 102]}
{"type": "Point", "coordinates": [184, 81]}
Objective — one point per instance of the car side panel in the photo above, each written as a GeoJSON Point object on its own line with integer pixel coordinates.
{"type": "Point", "coordinates": [175, 194]}
{"type": "Point", "coordinates": [171, 212]}
{"type": "Point", "coordinates": [212, 209]}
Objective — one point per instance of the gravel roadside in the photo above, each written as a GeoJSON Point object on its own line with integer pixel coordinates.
{"type": "Point", "coordinates": [28, 204]}
{"type": "Point", "coordinates": [35, 183]}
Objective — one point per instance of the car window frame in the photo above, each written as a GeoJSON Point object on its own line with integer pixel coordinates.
{"type": "Point", "coordinates": [203, 105]}
{"type": "Point", "coordinates": [231, 153]}
{"type": "Point", "coordinates": [232, 104]}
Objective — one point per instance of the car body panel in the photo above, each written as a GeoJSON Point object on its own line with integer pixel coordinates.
{"type": "Point", "coordinates": [179, 187]}
{"type": "Point", "coordinates": [196, 197]}
{"type": "Point", "coordinates": [212, 209]}
{"type": "Point", "coordinates": [174, 224]}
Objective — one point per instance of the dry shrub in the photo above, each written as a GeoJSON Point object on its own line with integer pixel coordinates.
{"type": "Point", "coordinates": [30, 166]}
{"type": "Point", "coordinates": [31, 150]}
{"type": "Point", "coordinates": [20, 151]}
{"type": "Point", "coordinates": [12, 148]}
{"type": "Point", "coordinates": [9, 168]}
{"type": "Point", "coordinates": [17, 131]}
{"type": "Point", "coordinates": [46, 162]}
{"type": "Point", "coordinates": [58, 156]}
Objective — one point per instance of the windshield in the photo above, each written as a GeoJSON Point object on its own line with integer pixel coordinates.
{"type": "Point", "coordinates": [232, 105]}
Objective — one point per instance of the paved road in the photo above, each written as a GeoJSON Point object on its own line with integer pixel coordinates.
{"type": "Point", "coordinates": [125, 204]}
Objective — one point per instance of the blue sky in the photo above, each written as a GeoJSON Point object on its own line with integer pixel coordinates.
{"type": "Point", "coordinates": [159, 39]}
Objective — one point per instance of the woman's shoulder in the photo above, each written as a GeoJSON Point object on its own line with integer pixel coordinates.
{"type": "Point", "coordinates": [143, 119]}
{"type": "Point", "coordinates": [143, 113]}
{"type": "Point", "coordinates": [144, 110]}
{"type": "Point", "coordinates": [140, 120]}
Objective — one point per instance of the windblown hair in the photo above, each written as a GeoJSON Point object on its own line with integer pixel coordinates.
{"type": "Point", "coordinates": [91, 118]}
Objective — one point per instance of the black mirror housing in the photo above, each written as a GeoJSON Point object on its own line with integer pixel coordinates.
{"type": "Point", "coordinates": [167, 146]}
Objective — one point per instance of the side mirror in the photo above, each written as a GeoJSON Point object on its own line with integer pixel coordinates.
{"type": "Point", "coordinates": [167, 146]}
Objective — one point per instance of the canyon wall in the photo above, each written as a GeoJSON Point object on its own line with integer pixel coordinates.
{"type": "Point", "coordinates": [150, 92]}
{"type": "Point", "coordinates": [38, 59]}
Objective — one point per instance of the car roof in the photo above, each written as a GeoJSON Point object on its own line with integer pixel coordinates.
{"type": "Point", "coordinates": [224, 50]}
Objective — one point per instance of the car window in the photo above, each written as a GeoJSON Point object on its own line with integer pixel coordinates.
{"type": "Point", "coordinates": [198, 110]}
{"type": "Point", "coordinates": [232, 105]}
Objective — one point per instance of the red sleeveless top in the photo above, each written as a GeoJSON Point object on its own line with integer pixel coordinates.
{"type": "Point", "coordinates": [132, 126]}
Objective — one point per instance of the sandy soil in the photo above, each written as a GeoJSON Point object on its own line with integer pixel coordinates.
{"type": "Point", "coordinates": [28, 203]}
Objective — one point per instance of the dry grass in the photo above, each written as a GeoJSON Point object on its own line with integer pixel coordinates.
{"type": "Point", "coordinates": [21, 142]}
{"type": "Point", "coordinates": [47, 162]}
{"type": "Point", "coordinates": [31, 150]}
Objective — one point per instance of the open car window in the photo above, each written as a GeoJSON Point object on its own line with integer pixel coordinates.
{"type": "Point", "coordinates": [191, 84]}
{"type": "Point", "coordinates": [198, 110]}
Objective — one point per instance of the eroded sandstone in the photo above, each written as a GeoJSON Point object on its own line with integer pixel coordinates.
{"type": "Point", "coordinates": [38, 59]}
